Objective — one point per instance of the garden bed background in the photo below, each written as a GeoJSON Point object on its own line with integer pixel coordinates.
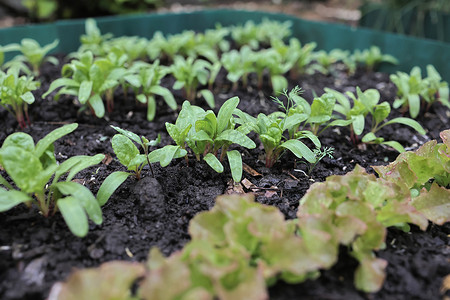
{"type": "Point", "coordinates": [35, 252]}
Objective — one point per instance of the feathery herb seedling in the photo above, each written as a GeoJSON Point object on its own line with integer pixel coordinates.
{"type": "Point", "coordinates": [15, 94]}
{"type": "Point", "coordinates": [32, 166]}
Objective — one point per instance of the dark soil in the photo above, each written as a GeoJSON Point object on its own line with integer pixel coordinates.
{"type": "Point", "coordinates": [35, 252]}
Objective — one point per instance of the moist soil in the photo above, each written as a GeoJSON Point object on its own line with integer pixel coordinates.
{"type": "Point", "coordinates": [36, 252]}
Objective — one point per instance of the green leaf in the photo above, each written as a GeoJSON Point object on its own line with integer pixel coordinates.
{"type": "Point", "coordinates": [279, 83]}
{"type": "Point", "coordinates": [235, 161]}
{"type": "Point", "coordinates": [409, 122]}
{"type": "Point", "coordinates": [370, 275]}
{"type": "Point", "coordinates": [141, 98]}
{"type": "Point", "coordinates": [24, 168]}
{"type": "Point", "coordinates": [166, 94]}
{"type": "Point", "coordinates": [74, 215]}
{"type": "Point", "coordinates": [5, 183]}
{"type": "Point", "coordinates": [381, 112]}
{"type": "Point", "coordinates": [166, 154]}
{"type": "Point", "coordinates": [28, 97]}
{"type": "Point", "coordinates": [151, 108]}
{"type": "Point", "coordinates": [61, 82]}
{"type": "Point", "coordinates": [84, 163]}
{"type": "Point", "coordinates": [110, 185]}
{"type": "Point", "coordinates": [209, 97]}
{"type": "Point", "coordinates": [96, 103]}
{"type": "Point", "coordinates": [134, 137]}
{"type": "Point", "coordinates": [225, 113]}
{"type": "Point", "coordinates": [84, 196]}
{"type": "Point", "coordinates": [396, 145]}
{"type": "Point", "coordinates": [358, 124]}
{"type": "Point", "coordinates": [434, 204]}
{"type": "Point", "coordinates": [85, 91]}
{"type": "Point", "coordinates": [124, 149]}
{"type": "Point", "coordinates": [236, 137]}
{"type": "Point", "coordinates": [21, 140]}
{"type": "Point", "coordinates": [213, 162]}
{"type": "Point", "coordinates": [9, 199]}
{"type": "Point", "coordinates": [50, 138]}
{"type": "Point", "coordinates": [300, 150]}
{"type": "Point", "coordinates": [414, 105]}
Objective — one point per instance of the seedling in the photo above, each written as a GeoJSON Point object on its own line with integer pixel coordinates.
{"type": "Point", "coordinates": [271, 128]}
{"type": "Point", "coordinates": [93, 40]}
{"type": "Point", "coordinates": [127, 152]}
{"type": "Point", "coordinates": [148, 85]}
{"type": "Point", "coordinates": [31, 167]}
{"type": "Point", "coordinates": [15, 94]}
{"type": "Point", "coordinates": [320, 154]}
{"type": "Point", "coordinates": [91, 79]}
{"type": "Point", "coordinates": [371, 58]}
{"type": "Point", "coordinates": [189, 73]}
{"type": "Point", "coordinates": [206, 134]}
{"type": "Point", "coordinates": [412, 88]}
{"type": "Point", "coordinates": [33, 53]}
{"type": "Point", "coordinates": [365, 103]}
{"type": "Point", "coordinates": [238, 65]}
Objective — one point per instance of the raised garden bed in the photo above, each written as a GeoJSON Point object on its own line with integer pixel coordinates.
{"type": "Point", "coordinates": [155, 211]}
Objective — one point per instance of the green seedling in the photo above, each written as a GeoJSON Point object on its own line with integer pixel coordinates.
{"type": "Point", "coordinates": [320, 154]}
{"type": "Point", "coordinates": [273, 62]}
{"type": "Point", "coordinates": [409, 88]}
{"type": "Point", "coordinates": [238, 64]}
{"type": "Point", "coordinates": [90, 80]}
{"type": "Point", "coordinates": [33, 54]}
{"type": "Point", "coordinates": [296, 56]}
{"type": "Point", "coordinates": [37, 177]}
{"type": "Point", "coordinates": [253, 35]}
{"type": "Point", "coordinates": [127, 152]}
{"type": "Point", "coordinates": [206, 134]}
{"type": "Point", "coordinates": [133, 46]}
{"type": "Point", "coordinates": [271, 129]}
{"type": "Point", "coordinates": [325, 61]}
{"type": "Point", "coordinates": [367, 103]}
{"type": "Point", "coordinates": [148, 80]}
{"type": "Point", "coordinates": [437, 90]}
{"type": "Point", "coordinates": [371, 58]}
{"type": "Point", "coordinates": [93, 40]}
{"type": "Point", "coordinates": [189, 74]}
{"type": "Point", "coordinates": [15, 94]}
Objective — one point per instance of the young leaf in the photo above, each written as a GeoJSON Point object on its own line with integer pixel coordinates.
{"type": "Point", "coordinates": [50, 138]}
{"type": "Point", "coordinates": [225, 113]}
{"type": "Point", "coordinates": [299, 149]}
{"type": "Point", "coordinates": [109, 185]}
{"type": "Point", "coordinates": [74, 215]}
{"type": "Point", "coordinates": [213, 162]}
{"type": "Point", "coordinates": [166, 154]}
{"type": "Point", "coordinates": [235, 161]}
{"type": "Point", "coordinates": [124, 149]}
{"type": "Point", "coordinates": [9, 199]}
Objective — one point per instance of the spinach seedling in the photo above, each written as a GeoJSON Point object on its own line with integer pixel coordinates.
{"type": "Point", "coordinates": [127, 152]}
{"type": "Point", "coordinates": [33, 53]}
{"type": "Point", "coordinates": [371, 58]}
{"type": "Point", "coordinates": [90, 79]}
{"type": "Point", "coordinates": [238, 64]}
{"type": "Point", "coordinates": [271, 128]}
{"type": "Point", "coordinates": [409, 87]}
{"type": "Point", "coordinates": [189, 73]}
{"type": "Point", "coordinates": [31, 168]}
{"type": "Point", "coordinates": [366, 103]}
{"type": "Point", "coordinates": [15, 94]}
{"type": "Point", "coordinates": [148, 80]}
{"type": "Point", "coordinates": [206, 134]}
{"type": "Point", "coordinates": [93, 40]}
{"type": "Point", "coordinates": [437, 90]}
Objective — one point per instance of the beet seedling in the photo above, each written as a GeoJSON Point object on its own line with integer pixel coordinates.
{"type": "Point", "coordinates": [33, 53]}
{"type": "Point", "coordinates": [15, 94]}
{"type": "Point", "coordinates": [31, 168]}
{"type": "Point", "coordinates": [189, 73]}
{"type": "Point", "coordinates": [366, 103]}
